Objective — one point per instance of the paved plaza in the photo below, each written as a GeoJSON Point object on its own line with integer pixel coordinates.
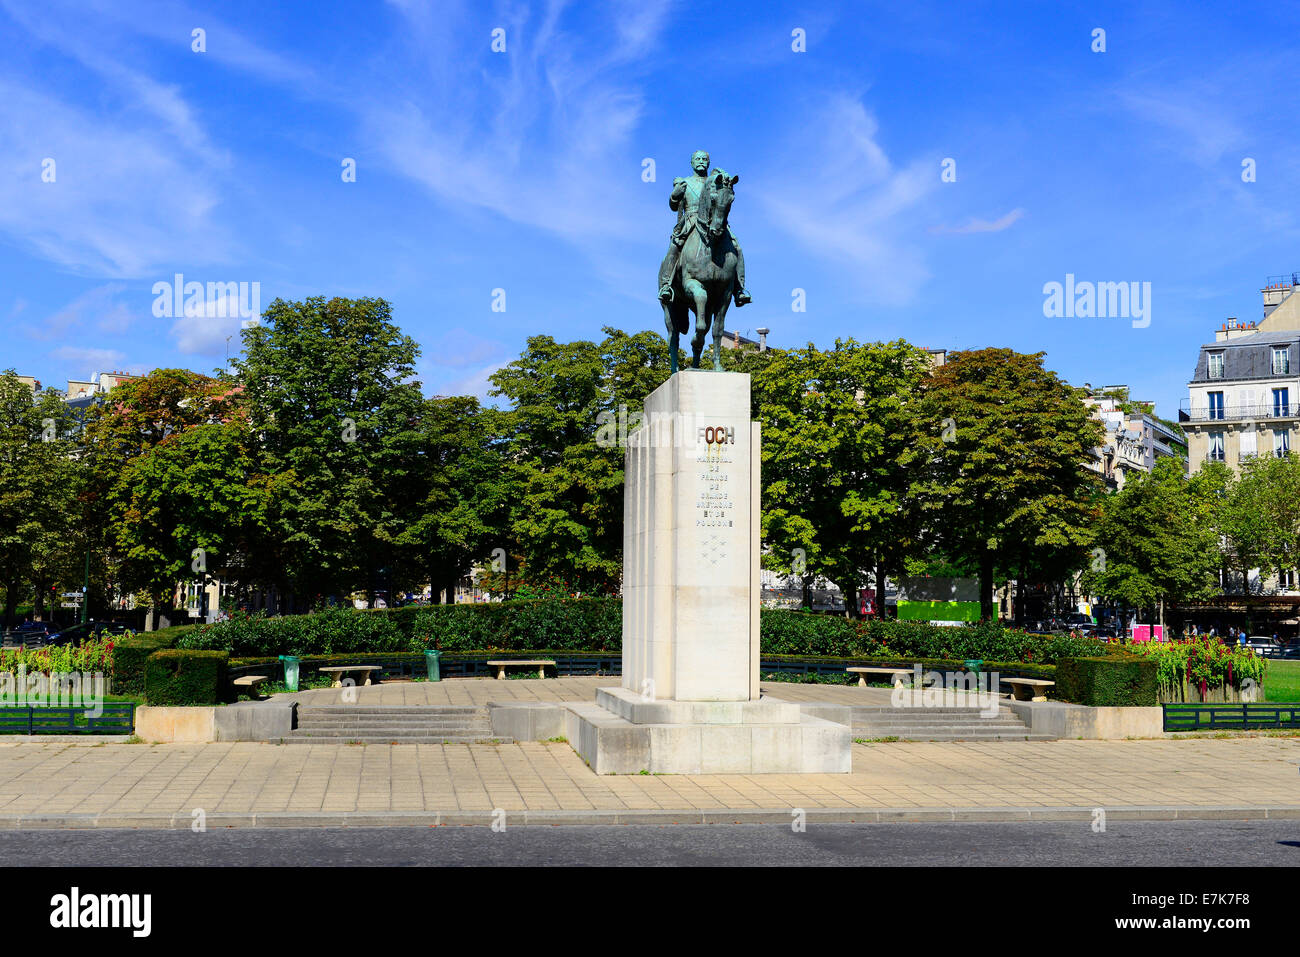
{"type": "Point", "coordinates": [63, 783]}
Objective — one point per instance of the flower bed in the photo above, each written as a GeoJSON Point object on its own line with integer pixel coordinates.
{"type": "Point", "coordinates": [1203, 669]}
{"type": "Point", "coordinates": [94, 655]}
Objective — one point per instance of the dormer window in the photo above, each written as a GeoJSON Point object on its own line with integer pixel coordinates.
{"type": "Point", "coordinates": [1281, 360]}
{"type": "Point", "coordinates": [1214, 362]}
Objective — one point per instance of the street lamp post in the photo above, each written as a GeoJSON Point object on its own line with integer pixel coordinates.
{"type": "Point", "coordinates": [85, 590]}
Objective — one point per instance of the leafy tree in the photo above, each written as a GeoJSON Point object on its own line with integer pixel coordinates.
{"type": "Point", "coordinates": [333, 403]}
{"type": "Point", "coordinates": [1258, 513]}
{"type": "Point", "coordinates": [39, 485]}
{"type": "Point", "coordinates": [1156, 540]}
{"type": "Point", "coordinates": [1000, 459]}
{"type": "Point", "coordinates": [131, 526]}
{"type": "Point", "coordinates": [835, 428]}
{"type": "Point", "coordinates": [459, 496]}
{"type": "Point", "coordinates": [190, 507]}
{"type": "Point", "coordinates": [563, 435]}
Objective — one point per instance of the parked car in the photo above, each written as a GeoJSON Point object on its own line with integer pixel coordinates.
{"type": "Point", "coordinates": [76, 634]}
{"type": "Point", "coordinates": [31, 634]}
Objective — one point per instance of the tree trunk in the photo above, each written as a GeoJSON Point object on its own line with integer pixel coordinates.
{"type": "Point", "coordinates": [882, 576]}
{"type": "Point", "coordinates": [807, 599]}
{"type": "Point", "coordinates": [850, 600]}
{"type": "Point", "coordinates": [986, 585]}
{"type": "Point", "coordinates": [449, 593]}
{"type": "Point", "coordinates": [11, 602]}
{"type": "Point", "coordinates": [1018, 612]}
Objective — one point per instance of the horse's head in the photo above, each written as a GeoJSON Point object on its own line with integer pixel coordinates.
{"type": "Point", "coordinates": [721, 194]}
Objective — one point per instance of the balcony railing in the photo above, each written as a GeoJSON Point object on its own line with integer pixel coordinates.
{"type": "Point", "coordinates": [1242, 413]}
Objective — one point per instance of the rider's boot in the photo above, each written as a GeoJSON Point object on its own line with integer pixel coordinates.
{"type": "Point", "coordinates": [666, 293]}
{"type": "Point", "coordinates": [743, 297]}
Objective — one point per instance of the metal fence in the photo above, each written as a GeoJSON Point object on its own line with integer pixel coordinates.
{"type": "Point", "coordinates": [1230, 717]}
{"type": "Point", "coordinates": [117, 718]}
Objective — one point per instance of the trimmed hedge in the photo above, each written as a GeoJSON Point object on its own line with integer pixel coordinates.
{"type": "Point", "coordinates": [595, 625]}
{"type": "Point", "coordinates": [796, 632]}
{"type": "Point", "coordinates": [336, 631]}
{"type": "Point", "coordinates": [573, 624]}
{"type": "Point", "coordinates": [1115, 680]}
{"type": "Point", "coordinates": [178, 676]}
{"type": "Point", "coordinates": [130, 653]}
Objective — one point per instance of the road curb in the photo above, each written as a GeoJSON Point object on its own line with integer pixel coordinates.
{"type": "Point", "coordinates": [660, 817]}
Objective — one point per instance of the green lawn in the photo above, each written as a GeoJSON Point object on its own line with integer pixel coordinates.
{"type": "Point", "coordinates": [1282, 681]}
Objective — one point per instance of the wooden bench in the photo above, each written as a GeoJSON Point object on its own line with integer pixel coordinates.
{"type": "Point", "coordinates": [540, 664]}
{"type": "Point", "coordinates": [340, 670]}
{"type": "Point", "coordinates": [897, 680]}
{"type": "Point", "coordinates": [249, 683]}
{"type": "Point", "coordinates": [1028, 689]}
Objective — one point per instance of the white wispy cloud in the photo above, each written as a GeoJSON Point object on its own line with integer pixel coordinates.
{"type": "Point", "coordinates": [101, 307]}
{"type": "Point", "coordinates": [134, 174]}
{"type": "Point", "coordinates": [540, 139]}
{"type": "Point", "coordinates": [213, 328]}
{"type": "Point", "coordinates": [977, 225]}
{"type": "Point", "coordinates": [850, 206]}
{"type": "Point", "coordinates": [92, 360]}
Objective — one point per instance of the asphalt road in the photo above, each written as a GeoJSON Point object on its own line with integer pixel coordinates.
{"type": "Point", "coordinates": [1129, 843]}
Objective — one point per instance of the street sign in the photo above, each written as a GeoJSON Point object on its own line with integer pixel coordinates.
{"type": "Point", "coordinates": [72, 594]}
{"type": "Point", "coordinates": [70, 604]}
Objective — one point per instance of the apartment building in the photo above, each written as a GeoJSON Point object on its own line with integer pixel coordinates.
{"type": "Point", "coordinates": [1135, 436]}
{"type": "Point", "coordinates": [1244, 398]}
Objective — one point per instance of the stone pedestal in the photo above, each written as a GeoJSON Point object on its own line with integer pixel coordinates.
{"type": "Point", "coordinates": [690, 700]}
{"type": "Point", "coordinates": [691, 542]}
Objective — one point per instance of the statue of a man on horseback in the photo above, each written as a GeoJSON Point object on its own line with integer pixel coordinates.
{"type": "Point", "coordinates": [704, 268]}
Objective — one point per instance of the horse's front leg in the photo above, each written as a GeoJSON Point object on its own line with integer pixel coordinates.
{"type": "Point", "coordinates": [719, 325]}
{"type": "Point", "coordinates": [701, 299]}
{"type": "Point", "coordinates": [672, 336]}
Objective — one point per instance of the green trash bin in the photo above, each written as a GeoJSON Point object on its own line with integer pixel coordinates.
{"type": "Point", "coordinates": [974, 665]}
{"type": "Point", "coordinates": [290, 672]}
{"type": "Point", "coordinates": [431, 666]}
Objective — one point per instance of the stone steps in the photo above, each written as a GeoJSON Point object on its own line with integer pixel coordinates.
{"type": "Point", "coordinates": [941, 724]}
{"type": "Point", "coordinates": [294, 737]}
{"type": "Point", "coordinates": [365, 719]}
{"type": "Point", "coordinates": [954, 736]}
{"type": "Point", "coordinates": [392, 724]}
{"type": "Point", "coordinates": [391, 709]}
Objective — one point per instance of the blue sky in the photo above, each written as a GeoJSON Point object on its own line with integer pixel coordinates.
{"type": "Point", "coordinates": [522, 171]}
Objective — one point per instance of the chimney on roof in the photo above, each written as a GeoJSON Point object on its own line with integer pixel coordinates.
{"type": "Point", "coordinates": [762, 338]}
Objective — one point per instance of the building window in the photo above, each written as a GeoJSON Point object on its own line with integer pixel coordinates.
{"type": "Point", "coordinates": [1215, 361]}
{"type": "Point", "coordinates": [1249, 443]}
{"type": "Point", "coordinates": [1281, 443]}
{"type": "Point", "coordinates": [1286, 578]}
{"type": "Point", "coordinates": [1216, 404]}
{"type": "Point", "coordinates": [1281, 402]}
{"type": "Point", "coordinates": [1216, 447]}
{"type": "Point", "coordinates": [1281, 360]}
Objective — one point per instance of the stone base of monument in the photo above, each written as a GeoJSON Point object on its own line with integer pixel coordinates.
{"type": "Point", "coordinates": [621, 733]}
{"type": "Point", "coordinates": [690, 701]}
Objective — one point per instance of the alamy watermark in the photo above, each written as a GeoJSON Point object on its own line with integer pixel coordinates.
{"type": "Point", "coordinates": [950, 689]}
{"type": "Point", "coordinates": [58, 689]}
{"type": "Point", "coordinates": [1098, 300]}
{"type": "Point", "coordinates": [178, 298]}
{"type": "Point", "coordinates": [661, 430]}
